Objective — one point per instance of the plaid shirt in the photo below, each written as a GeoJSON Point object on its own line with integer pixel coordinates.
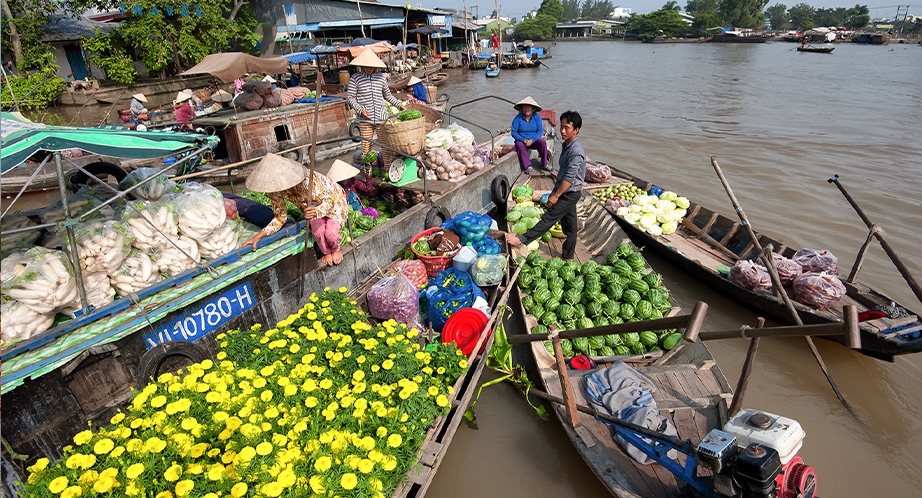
{"type": "Point", "coordinates": [369, 93]}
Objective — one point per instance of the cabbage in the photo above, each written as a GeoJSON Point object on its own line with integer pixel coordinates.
{"type": "Point", "coordinates": [664, 217]}
{"type": "Point", "coordinates": [513, 216]}
{"type": "Point", "coordinates": [665, 205]}
{"type": "Point", "coordinates": [524, 204]}
{"type": "Point", "coordinates": [681, 202]}
{"type": "Point", "coordinates": [669, 227]}
{"type": "Point", "coordinates": [643, 199]}
{"type": "Point", "coordinates": [655, 230]}
{"type": "Point", "coordinates": [522, 190]}
{"type": "Point", "coordinates": [531, 212]}
{"type": "Point", "coordinates": [533, 246]}
{"type": "Point", "coordinates": [530, 222]}
{"type": "Point", "coordinates": [621, 211]}
{"type": "Point", "coordinates": [632, 217]}
{"type": "Point", "coordinates": [635, 208]}
{"type": "Point", "coordinates": [648, 219]}
{"type": "Point", "coordinates": [648, 208]}
{"type": "Point", "coordinates": [667, 195]}
{"type": "Point", "coordinates": [519, 228]}
{"type": "Point", "coordinates": [680, 213]}
{"type": "Point", "coordinates": [522, 199]}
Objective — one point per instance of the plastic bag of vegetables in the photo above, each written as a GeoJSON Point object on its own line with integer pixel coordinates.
{"type": "Point", "coordinates": [79, 205]}
{"type": "Point", "coordinates": [21, 239]}
{"type": "Point", "coordinates": [137, 272]}
{"type": "Point", "coordinates": [152, 190]}
{"type": "Point", "coordinates": [201, 210]}
{"type": "Point", "coordinates": [751, 276]}
{"type": "Point", "coordinates": [816, 261]}
{"type": "Point", "coordinates": [222, 241]}
{"type": "Point", "coordinates": [394, 297]}
{"type": "Point", "coordinates": [598, 173]}
{"type": "Point", "coordinates": [414, 270]}
{"type": "Point", "coordinates": [176, 257]}
{"type": "Point", "coordinates": [13, 266]}
{"type": "Point", "coordinates": [819, 290]}
{"type": "Point", "coordinates": [46, 284]}
{"type": "Point", "coordinates": [20, 322]}
{"type": "Point", "coordinates": [99, 291]}
{"type": "Point", "coordinates": [488, 270]}
{"type": "Point", "coordinates": [460, 134]}
{"type": "Point", "coordinates": [439, 138]}
{"type": "Point", "coordinates": [151, 223]}
{"type": "Point", "coordinates": [102, 245]}
{"type": "Point", "coordinates": [788, 269]}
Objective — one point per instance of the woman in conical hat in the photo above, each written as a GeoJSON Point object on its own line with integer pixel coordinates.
{"type": "Point", "coordinates": [367, 93]}
{"type": "Point", "coordinates": [528, 132]}
{"type": "Point", "coordinates": [281, 178]}
{"type": "Point", "coordinates": [418, 89]}
{"type": "Point", "coordinates": [182, 110]}
{"type": "Point", "coordinates": [137, 104]}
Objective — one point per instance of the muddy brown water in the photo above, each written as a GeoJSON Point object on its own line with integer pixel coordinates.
{"type": "Point", "coordinates": [780, 123]}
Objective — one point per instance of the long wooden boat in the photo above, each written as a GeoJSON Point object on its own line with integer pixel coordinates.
{"type": "Point", "coordinates": [816, 50]}
{"type": "Point", "coordinates": [691, 391]}
{"type": "Point", "coordinates": [84, 369]}
{"type": "Point", "coordinates": [707, 240]}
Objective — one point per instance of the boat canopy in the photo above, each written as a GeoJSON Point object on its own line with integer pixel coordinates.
{"type": "Point", "coordinates": [23, 138]}
{"type": "Point", "coordinates": [229, 66]}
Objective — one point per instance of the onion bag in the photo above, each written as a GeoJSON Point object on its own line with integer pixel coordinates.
{"type": "Point", "coordinates": [750, 276]}
{"type": "Point", "coordinates": [201, 210]}
{"type": "Point", "coordinates": [394, 297]}
{"type": "Point", "coordinates": [818, 290]}
{"type": "Point", "coordinates": [414, 270]}
{"type": "Point", "coordinates": [102, 245]}
{"type": "Point", "coordinates": [439, 138]}
{"type": "Point", "coordinates": [817, 261]}
{"type": "Point", "coordinates": [136, 272]}
{"type": "Point", "coordinates": [460, 134]}
{"type": "Point", "coordinates": [788, 269]}
{"type": "Point", "coordinates": [488, 270]}
{"type": "Point", "coordinates": [19, 322]}
{"type": "Point", "coordinates": [150, 191]}
{"type": "Point", "coordinates": [46, 284]}
{"type": "Point", "coordinates": [598, 173]}
{"type": "Point", "coordinates": [18, 240]}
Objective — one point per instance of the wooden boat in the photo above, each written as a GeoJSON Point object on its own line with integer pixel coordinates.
{"type": "Point", "coordinates": [739, 37]}
{"type": "Point", "coordinates": [691, 389]}
{"type": "Point", "coordinates": [816, 50]}
{"type": "Point", "coordinates": [707, 240]}
{"type": "Point", "coordinates": [83, 369]}
{"type": "Point", "coordinates": [492, 71]}
{"type": "Point", "coordinates": [437, 79]}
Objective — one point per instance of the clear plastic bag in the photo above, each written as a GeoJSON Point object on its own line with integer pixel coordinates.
{"type": "Point", "coordinates": [21, 239]}
{"type": "Point", "coordinates": [171, 260]}
{"type": "Point", "coordinates": [222, 241]}
{"type": "Point", "coordinates": [460, 134]}
{"type": "Point", "coordinates": [788, 269]}
{"type": "Point", "coordinates": [818, 290]}
{"type": "Point", "coordinates": [150, 191]}
{"type": "Point", "coordinates": [414, 270]}
{"type": "Point", "coordinates": [13, 266]}
{"type": "Point", "coordinates": [817, 261]}
{"type": "Point", "coordinates": [79, 205]}
{"type": "Point", "coordinates": [137, 272]}
{"type": "Point", "coordinates": [598, 173]}
{"type": "Point", "coordinates": [201, 210]}
{"type": "Point", "coordinates": [751, 276]}
{"type": "Point", "coordinates": [102, 245]}
{"type": "Point", "coordinates": [394, 297]}
{"type": "Point", "coordinates": [140, 215]}
{"type": "Point", "coordinates": [439, 138]}
{"type": "Point", "coordinates": [19, 322]}
{"type": "Point", "coordinates": [46, 284]}
{"type": "Point", "coordinates": [99, 291]}
{"type": "Point", "coordinates": [488, 270]}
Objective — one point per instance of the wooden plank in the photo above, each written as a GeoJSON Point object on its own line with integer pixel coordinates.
{"type": "Point", "coordinates": [730, 234]}
{"type": "Point", "coordinates": [695, 382]}
{"type": "Point", "coordinates": [666, 368]}
{"type": "Point", "coordinates": [691, 388]}
{"type": "Point", "coordinates": [684, 424]}
{"type": "Point", "coordinates": [903, 331]}
{"type": "Point", "coordinates": [667, 479]}
{"type": "Point", "coordinates": [707, 226]}
{"type": "Point", "coordinates": [429, 454]}
{"type": "Point", "coordinates": [681, 392]}
{"type": "Point", "coordinates": [707, 378]}
{"type": "Point", "coordinates": [654, 484]}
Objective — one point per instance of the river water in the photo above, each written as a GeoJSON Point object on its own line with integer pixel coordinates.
{"type": "Point", "coordinates": [780, 123]}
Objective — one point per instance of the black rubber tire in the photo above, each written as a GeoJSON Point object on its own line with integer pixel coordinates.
{"type": "Point", "coordinates": [499, 191]}
{"type": "Point", "coordinates": [296, 155]}
{"type": "Point", "coordinates": [99, 169]}
{"type": "Point", "coordinates": [442, 98]}
{"type": "Point", "coordinates": [436, 216]}
{"type": "Point", "coordinates": [210, 131]}
{"type": "Point", "coordinates": [156, 357]}
{"type": "Point", "coordinates": [355, 132]}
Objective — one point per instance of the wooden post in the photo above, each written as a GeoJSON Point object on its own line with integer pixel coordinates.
{"type": "Point", "coordinates": [743, 381]}
{"type": "Point", "coordinates": [853, 275]}
{"type": "Point", "coordinates": [565, 389]}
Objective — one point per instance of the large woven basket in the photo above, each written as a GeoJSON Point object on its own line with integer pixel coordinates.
{"type": "Point", "coordinates": [408, 137]}
{"type": "Point", "coordinates": [432, 117]}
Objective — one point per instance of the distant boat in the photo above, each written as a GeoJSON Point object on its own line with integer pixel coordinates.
{"type": "Point", "coordinates": [492, 70]}
{"type": "Point", "coordinates": [748, 36]}
{"type": "Point", "coordinates": [818, 50]}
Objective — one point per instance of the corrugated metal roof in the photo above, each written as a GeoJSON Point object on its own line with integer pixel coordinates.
{"type": "Point", "coordinates": [358, 22]}
{"type": "Point", "coordinates": [299, 57]}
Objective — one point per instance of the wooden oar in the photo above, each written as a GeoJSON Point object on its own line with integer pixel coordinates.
{"type": "Point", "coordinates": [769, 262]}
{"type": "Point", "coordinates": [302, 261]}
{"type": "Point", "coordinates": [878, 233]}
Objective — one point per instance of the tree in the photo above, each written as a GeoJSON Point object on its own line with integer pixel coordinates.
{"type": "Point", "coordinates": [743, 13]}
{"type": "Point", "coordinates": [802, 16]}
{"type": "Point", "coordinates": [696, 7]}
{"type": "Point", "coordinates": [830, 17]}
{"type": "Point", "coordinates": [647, 25]}
{"type": "Point", "coordinates": [859, 17]}
{"type": "Point", "coordinates": [706, 21]}
{"type": "Point", "coordinates": [24, 26]}
{"type": "Point", "coordinates": [777, 15]}
{"type": "Point", "coordinates": [672, 5]}
{"type": "Point", "coordinates": [541, 27]}
{"type": "Point", "coordinates": [571, 9]}
{"type": "Point", "coordinates": [596, 9]}
{"type": "Point", "coordinates": [551, 8]}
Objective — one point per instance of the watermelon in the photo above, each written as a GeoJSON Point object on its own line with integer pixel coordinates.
{"type": "Point", "coordinates": [654, 348]}
{"type": "Point", "coordinates": [592, 278]}
{"type": "Point", "coordinates": [612, 258]}
{"type": "Point", "coordinates": [519, 260]}
{"type": "Point", "coordinates": [623, 269]}
{"type": "Point", "coordinates": [581, 343]}
{"type": "Point", "coordinates": [579, 310]}
{"type": "Point", "coordinates": [643, 310]}
{"type": "Point", "coordinates": [568, 325]}
{"type": "Point", "coordinates": [571, 296]}
{"type": "Point", "coordinates": [528, 302]}
{"type": "Point", "coordinates": [604, 271]}
{"type": "Point", "coordinates": [611, 308]}
{"type": "Point", "coordinates": [556, 293]}
{"type": "Point", "coordinates": [671, 341]}
{"type": "Point", "coordinates": [638, 348]}
{"type": "Point", "coordinates": [600, 298]}
{"type": "Point", "coordinates": [550, 273]}
{"type": "Point", "coordinates": [551, 304]}
{"type": "Point", "coordinates": [648, 339]}
{"type": "Point", "coordinates": [585, 323]}
{"type": "Point", "coordinates": [537, 310]}
{"type": "Point", "coordinates": [656, 294]}
{"type": "Point", "coordinates": [596, 342]}
{"type": "Point", "coordinates": [565, 312]}
{"type": "Point", "coordinates": [631, 338]}
{"type": "Point", "coordinates": [613, 340]}
{"type": "Point", "coordinates": [617, 320]}
{"type": "Point", "coordinates": [615, 291]}
{"type": "Point", "coordinates": [613, 278]}
{"type": "Point", "coordinates": [539, 329]}
{"type": "Point", "coordinates": [549, 318]}
{"type": "Point", "coordinates": [601, 321]}
{"type": "Point", "coordinates": [589, 267]}
{"type": "Point", "coordinates": [624, 250]}
{"type": "Point", "coordinates": [566, 273]}
{"type": "Point", "coordinates": [526, 280]}
{"type": "Point", "coordinates": [627, 311]}
{"type": "Point", "coordinates": [606, 351]}
{"type": "Point", "coordinates": [595, 309]}
{"type": "Point", "coordinates": [639, 274]}
{"type": "Point", "coordinates": [555, 263]}
{"type": "Point", "coordinates": [576, 283]}
{"type": "Point", "coordinates": [573, 265]}
{"type": "Point", "coordinates": [622, 350]}
{"type": "Point", "coordinates": [653, 280]}
{"type": "Point", "coordinates": [639, 285]}
{"type": "Point", "coordinates": [629, 296]}
{"type": "Point", "coordinates": [555, 284]}
{"type": "Point", "coordinates": [545, 237]}
{"type": "Point", "coordinates": [566, 347]}
{"type": "Point", "coordinates": [636, 261]}
{"type": "Point", "coordinates": [542, 296]}
{"type": "Point", "coordinates": [540, 284]}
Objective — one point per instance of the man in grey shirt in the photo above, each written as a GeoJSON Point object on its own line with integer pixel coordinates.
{"type": "Point", "coordinates": [567, 189]}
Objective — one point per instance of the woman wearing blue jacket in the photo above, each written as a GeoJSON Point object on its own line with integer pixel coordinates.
{"type": "Point", "coordinates": [418, 89]}
{"type": "Point", "coordinates": [528, 132]}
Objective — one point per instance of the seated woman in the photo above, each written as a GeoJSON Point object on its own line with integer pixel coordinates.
{"type": "Point", "coordinates": [183, 111]}
{"type": "Point", "coordinates": [418, 89]}
{"type": "Point", "coordinates": [281, 178]}
{"type": "Point", "coordinates": [347, 176]}
{"type": "Point", "coordinates": [528, 132]}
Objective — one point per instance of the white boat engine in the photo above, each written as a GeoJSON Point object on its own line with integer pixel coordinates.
{"type": "Point", "coordinates": [755, 456]}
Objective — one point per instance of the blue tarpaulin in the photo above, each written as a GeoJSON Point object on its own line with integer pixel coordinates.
{"type": "Point", "coordinates": [299, 57]}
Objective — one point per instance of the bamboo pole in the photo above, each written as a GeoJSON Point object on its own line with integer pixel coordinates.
{"type": "Point", "coordinates": [743, 383]}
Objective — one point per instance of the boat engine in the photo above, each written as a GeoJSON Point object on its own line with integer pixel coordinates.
{"type": "Point", "coordinates": [755, 456]}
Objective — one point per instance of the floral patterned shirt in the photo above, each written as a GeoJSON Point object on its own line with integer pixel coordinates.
{"type": "Point", "coordinates": [329, 199]}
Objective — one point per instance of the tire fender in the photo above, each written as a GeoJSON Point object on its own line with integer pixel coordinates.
{"type": "Point", "coordinates": [436, 216]}
{"type": "Point", "coordinates": [499, 191]}
{"type": "Point", "coordinates": [157, 356]}
{"type": "Point", "coordinates": [295, 155]}
{"type": "Point", "coordinates": [98, 168]}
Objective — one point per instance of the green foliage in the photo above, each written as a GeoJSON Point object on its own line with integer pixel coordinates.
{"type": "Point", "coordinates": [859, 17]}
{"type": "Point", "coordinates": [777, 15]}
{"type": "Point", "coordinates": [696, 7]}
{"type": "Point", "coordinates": [830, 17]}
{"type": "Point", "coordinates": [802, 16]}
{"type": "Point", "coordinates": [539, 28]}
{"type": "Point", "coordinates": [571, 9]}
{"type": "Point", "coordinates": [111, 58]}
{"type": "Point", "coordinates": [596, 9]}
{"type": "Point", "coordinates": [551, 8]}
{"type": "Point", "coordinates": [743, 13]}
{"type": "Point", "coordinates": [45, 87]}
{"type": "Point", "coordinates": [646, 25]}
{"type": "Point", "coordinates": [671, 5]}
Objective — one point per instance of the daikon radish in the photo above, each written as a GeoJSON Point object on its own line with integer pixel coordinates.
{"type": "Point", "coordinates": [102, 245]}
{"type": "Point", "coordinates": [136, 273]}
{"type": "Point", "coordinates": [201, 210]}
{"type": "Point", "coordinates": [152, 190]}
{"type": "Point", "coordinates": [23, 240]}
{"type": "Point", "coordinates": [19, 322]}
{"type": "Point", "coordinates": [46, 284]}
{"type": "Point", "coordinates": [221, 241]}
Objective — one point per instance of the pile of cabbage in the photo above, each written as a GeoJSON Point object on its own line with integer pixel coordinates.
{"type": "Point", "coordinates": [656, 215]}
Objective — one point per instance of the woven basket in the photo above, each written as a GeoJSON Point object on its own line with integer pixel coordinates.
{"type": "Point", "coordinates": [429, 114]}
{"type": "Point", "coordinates": [408, 137]}
{"type": "Point", "coordinates": [433, 264]}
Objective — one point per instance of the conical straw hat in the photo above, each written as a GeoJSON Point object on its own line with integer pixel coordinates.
{"type": "Point", "coordinates": [338, 171]}
{"type": "Point", "coordinates": [413, 80]}
{"type": "Point", "coordinates": [140, 96]}
{"type": "Point", "coordinates": [269, 79]}
{"type": "Point", "coordinates": [368, 59]}
{"type": "Point", "coordinates": [222, 96]}
{"type": "Point", "coordinates": [527, 100]}
{"type": "Point", "coordinates": [275, 173]}
{"type": "Point", "coordinates": [182, 97]}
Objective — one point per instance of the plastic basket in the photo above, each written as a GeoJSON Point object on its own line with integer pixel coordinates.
{"type": "Point", "coordinates": [433, 264]}
{"type": "Point", "coordinates": [408, 137]}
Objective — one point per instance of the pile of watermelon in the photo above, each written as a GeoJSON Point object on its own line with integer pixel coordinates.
{"type": "Point", "coordinates": [569, 296]}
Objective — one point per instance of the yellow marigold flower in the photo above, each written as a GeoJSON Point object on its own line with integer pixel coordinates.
{"type": "Point", "coordinates": [432, 391]}
{"type": "Point", "coordinates": [259, 382]}
{"type": "Point", "coordinates": [164, 494]}
{"type": "Point", "coordinates": [219, 417]}
{"type": "Point", "coordinates": [173, 473]}
{"type": "Point", "coordinates": [394, 440]}
{"type": "Point", "coordinates": [323, 464]}
{"type": "Point", "coordinates": [57, 484]}
{"type": "Point", "coordinates": [264, 448]}
{"type": "Point", "coordinates": [246, 454]}
{"type": "Point", "coordinates": [154, 445]}
{"type": "Point", "coordinates": [376, 484]}
{"type": "Point", "coordinates": [326, 384]}
{"type": "Point", "coordinates": [290, 390]}
{"type": "Point", "coordinates": [358, 376]}
{"type": "Point", "coordinates": [381, 432]}
{"type": "Point", "coordinates": [387, 365]}
{"type": "Point", "coordinates": [390, 463]}
{"type": "Point", "coordinates": [134, 470]}
{"type": "Point", "coordinates": [71, 492]}
{"type": "Point", "coordinates": [440, 370]}
{"type": "Point", "coordinates": [239, 489]}
{"type": "Point", "coordinates": [40, 465]}
{"type": "Point", "coordinates": [233, 423]}
{"type": "Point", "coordinates": [195, 469]}
{"type": "Point", "coordinates": [316, 483]}
{"type": "Point", "coordinates": [366, 465]}
{"type": "Point", "coordinates": [183, 487]}
{"type": "Point", "coordinates": [118, 417]}
{"type": "Point", "coordinates": [104, 484]}
{"type": "Point", "coordinates": [310, 402]}
{"type": "Point", "coordinates": [110, 472]}
{"type": "Point", "coordinates": [442, 401]}
{"type": "Point", "coordinates": [210, 495]}
{"type": "Point", "coordinates": [273, 489]}
{"type": "Point", "coordinates": [266, 395]}
{"type": "Point", "coordinates": [213, 397]}
{"type": "Point", "coordinates": [216, 472]}
{"type": "Point", "coordinates": [88, 477]}
{"type": "Point", "coordinates": [462, 363]}
{"type": "Point", "coordinates": [83, 437]}
{"type": "Point", "coordinates": [348, 481]}
{"type": "Point", "coordinates": [158, 401]}
{"type": "Point", "coordinates": [343, 290]}
{"type": "Point", "coordinates": [404, 417]}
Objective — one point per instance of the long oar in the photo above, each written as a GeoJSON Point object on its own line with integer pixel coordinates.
{"type": "Point", "coordinates": [878, 233]}
{"type": "Point", "coordinates": [769, 262]}
{"type": "Point", "coordinates": [302, 262]}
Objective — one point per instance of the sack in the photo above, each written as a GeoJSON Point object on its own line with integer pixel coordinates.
{"type": "Point", "coordinates": [750, 276]}
{"type": "Point", "coordinates": [248, 100]}
{"type": "Point", "coordinates": [201, 210]}
{"type": "Point", "coordinates": [818, 290]}
{"type": "Point", "coordinates": [414, 270]}
{"type": "Point", "coordinates": [460, 134]}
{"type": "Point", "coordinates": [272, 99]}
{"type": "Point", "coordinates": [394, 298]}
{"type": "Point", "coordinates": [46, 283]}
{"type": "Point", "coordinates": [788, 269]}
{"type": "Point", "coordinates": [102, 246]}
{"type": "Point", "coordinates": [817, 261]}
{"type": "Point", "coordinates": [488, 270]}
{"type": "Point", "coordinates": [598, 173]}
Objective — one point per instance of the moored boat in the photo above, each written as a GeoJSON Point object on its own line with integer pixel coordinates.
{"type": "Point", "coordinates": [492, 70]}
{"type": "Point", "coordinates": [707, 242]}
{"type": "Point", "coordinates": [817, 50]}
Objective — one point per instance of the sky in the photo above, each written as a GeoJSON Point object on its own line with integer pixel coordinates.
{"type": "Point", "coordinates": [518, 8]}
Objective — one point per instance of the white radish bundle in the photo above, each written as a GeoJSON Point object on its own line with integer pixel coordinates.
{"type": "Point", "coordinates": [136, 273]}
{"type": "Point", "coordinates": [201, 210]}
{"type": "Point", "coordinates": [439, 138]}
{"type": "Point", "coordinates": [99, 291]}
{"type": "Point", "coordinates": [151, 223]}
{"type": "Point", "coordinates": [171, 261]}
{"type": "Point", "coordinates": [152, 190]}
{"type": "Point", "coordinates": [13, 266]}
{"type": "Point", "coordinates": [21, 239]}
{"type": "Point", "coordinates": [460, 134]}
{"type": "Point", "coordinates": [221, 242]}
{"type": "Point", "coordinates": [79, 204]}
{"type": "Point", "coordinates": [19, 322]}
{"type": "Point", "coordinates": [47, 284]}
{"type": "Point", "coordinates": [102, 245]}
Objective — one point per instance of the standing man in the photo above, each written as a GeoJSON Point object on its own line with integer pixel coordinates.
{"type": "Point", "coordinates": [494, 41]}
{"type": "Point", "coordinates": [367, 93]}
{"type": "Point", "coordinates": [567, 189]}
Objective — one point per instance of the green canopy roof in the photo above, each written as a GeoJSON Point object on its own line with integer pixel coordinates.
{"type": "Point", "coordinates": [23, 138]}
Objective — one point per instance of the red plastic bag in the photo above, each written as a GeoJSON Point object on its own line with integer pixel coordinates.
{"type": "Point", "coordinates": [750, 276]}
{"type": "Point", "coordinates": [817, 261]}
{"type": "Point", "coordinates": [414, 270]}
{"type": "Point", "coordinates": [788, 269]}
{"type": "Point", "coordinates": [818, 290]}
{"type": "Point", "coordinates": [598, 173]}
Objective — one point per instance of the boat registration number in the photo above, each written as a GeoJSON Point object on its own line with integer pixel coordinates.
{"type": "Point", "coordinates": [204, 319]}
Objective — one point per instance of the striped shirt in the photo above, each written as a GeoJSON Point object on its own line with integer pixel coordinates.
{"type": "Point", "coordinates": [369, 93]}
